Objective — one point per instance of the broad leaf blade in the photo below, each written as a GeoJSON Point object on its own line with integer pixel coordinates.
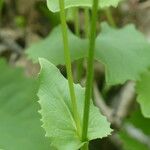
{"type": "Point", "coordinates": [20, 127]}
{"type": "Point", "coordinates": [56, 110]}
{"type": "Point", "coordinates": [51, 48]}
{"type": "Point", "coordinates": [53, 5]}
{"type": "Point", "coordinates": [143, 91]}
{"type": "Point", "coordinates": [124, 52]}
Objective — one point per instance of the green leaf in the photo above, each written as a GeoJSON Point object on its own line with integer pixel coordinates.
{"type": "Point", "coordinates": [20, 127]}
{"type": "Point", "coordinates": [53, 5]}
{"type": "Point", "coordinates": [143, 91]}
{"type": "Point", "coordinates": [51, 48]}
{"type": "Point", "coordinates": [124, 52]}
{"type": "Point", "coordinates": [56, 110]}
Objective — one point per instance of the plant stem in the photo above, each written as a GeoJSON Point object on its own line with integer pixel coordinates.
{"type": "Point", "coordinates": [87, 19]}
{"type": "Point", "coordinates": [89, 81]}
{"type": "Point", "coordinates": [110, 17]}
{"type": "Point", "coordinates": [79, 70]}
{"type": "Point", "coordinates": [77, 32]}
{"type": "Point", "coordinates": [68, 66]}
{"type": "Point", "coordinates": [80, 62]}
{"type": "Point", "coordinates": [76, 22]}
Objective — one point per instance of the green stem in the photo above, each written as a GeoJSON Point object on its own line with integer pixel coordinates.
{"type": "Point", "coordinates": [87, 20]}
{"type": "Point", "coordinates": [76, 22]}
{"type": "Point", "coordinates": [68, 66]}
{"type": "Point", "coordinates": [79, 70]}
{"type": "Point", "coordinates": [77, 32]}
{"type": "Point", "coordinates": [110, 17]}
{"type": "Point", "coordinates": [80, 62]}
{"type": "Point", "coordinates": [88, 90]}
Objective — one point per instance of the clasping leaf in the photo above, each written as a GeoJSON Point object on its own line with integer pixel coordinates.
{"type": "Point", "coordinates": [56, 110]}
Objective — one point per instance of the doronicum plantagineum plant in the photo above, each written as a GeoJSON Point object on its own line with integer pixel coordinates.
{"type": "Point", "coordinates": [69, 117]}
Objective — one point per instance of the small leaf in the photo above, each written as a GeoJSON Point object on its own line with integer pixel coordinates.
{"type": "Point", "coordinates": [53, 5]}
{"type": "Point", "coordinates": [56, 110]}
{"type": "Point", "coordinates": [20, 127]}
{"type": "Point", "coordinates": [143, 91]}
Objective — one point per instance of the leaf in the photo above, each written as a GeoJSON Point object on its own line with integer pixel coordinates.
{"type": "Point", "coordinates": [51, 48]}
{"type": "Point", "coordinates": [142, 88]}
{"type": "Point", "coordinates": [124, 52]}
{"type": "Point", "coordinates": [53, 5]}
{"type": "Point", "coordinates": [56, 110]}
{"type": "Point", "coordinates": [20, 127]}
